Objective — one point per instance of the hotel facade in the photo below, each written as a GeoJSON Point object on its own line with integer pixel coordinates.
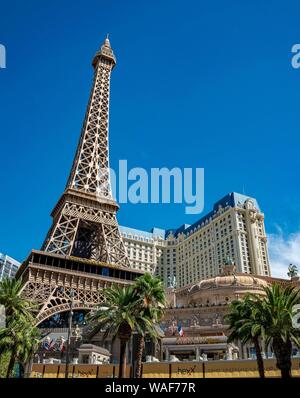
{"type": "Point", "coordinates": [234, 228]}
{"type": "Point", "coordinates": [8, 266]}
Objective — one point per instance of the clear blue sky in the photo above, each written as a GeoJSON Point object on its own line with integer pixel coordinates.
{"type": "Point", "coordinates": [197, 84]}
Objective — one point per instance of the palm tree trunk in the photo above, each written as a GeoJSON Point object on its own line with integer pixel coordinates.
{"type": "Point", "coordinates": [259, 358]}
{"type": "Point", "coordinates": [123, 360]}
{"type": "Point", "coordinates": [27, 367]}
{"type": "Point", "coordinates": [283, 352]}
{"type": "Point", "coordinates": [11, 365]}
{"type": "Point", "coordinates": [139, 357]}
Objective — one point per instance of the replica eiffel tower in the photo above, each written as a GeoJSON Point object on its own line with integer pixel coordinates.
{"type": "Point", "coordinates": [83, 251]}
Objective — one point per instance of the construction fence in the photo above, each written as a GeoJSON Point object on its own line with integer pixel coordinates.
{"type": "Point", "coordinates": [207, 369]}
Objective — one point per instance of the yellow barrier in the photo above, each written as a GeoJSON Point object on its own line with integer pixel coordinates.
{"type": "Point", "coordinates": [128, 370]}
{"type": "Point", "coordinates": [51, 371]}
{"type": "Point", "coordinates": [209, 369]}
{"type": "Point", "coordinates": [296, 367]}
{"type": "Point", "coordinates": [37, 371]}
{"type": "Point", "coordinates": [106, 371]}
{"type": "Point", "coordinates": [189, 369]}
{"type": "Point", "coordinates": [85, 371]}
{"type": "Point", "coordinates": [229, 369]}
{"type": "Point", "coordinates": [155, 370]}
{"type": "Point", "coordinates": [271, 369]}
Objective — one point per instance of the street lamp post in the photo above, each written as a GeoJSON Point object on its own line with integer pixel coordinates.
{"type": "Point", "coordinates": [70, 318]}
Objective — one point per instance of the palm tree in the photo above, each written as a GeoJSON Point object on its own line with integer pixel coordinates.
{"type": "Point", "coordinates": [31, 343]}
{"type": "Point", "coordinates": [280, 333]}
{"type": "Point", "coordinates": [19, 339]}
{"type": "Point", "coordinates": [11, 299]}
{"type": "Point", "coordinates": [151, 291]}
{"type": "Point", "coordinates": [4, 360]}
{"type": "Point", "coordinates": [245, 323]}
{"type": "Point", "coordinates": [119, 317]}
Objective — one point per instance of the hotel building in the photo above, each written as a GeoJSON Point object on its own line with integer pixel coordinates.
{"type": "Point", "coordinates": [190, 253]}
{"type": "Point", "coordinates": [8, 266]}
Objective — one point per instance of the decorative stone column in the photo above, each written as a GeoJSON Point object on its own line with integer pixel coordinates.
{"type": "Point", "coordinates": [240, 350]}
{"type": "Point", "coordinates": [244, 349]}
{"type": "Point", "coordinates": [197, 351]}
{"type": "Point", "coordinates": [167, 354]}
{"type": "Point", "coordinates": [263, 350]}
{"type": "Point", "coordinates": [251, 226]}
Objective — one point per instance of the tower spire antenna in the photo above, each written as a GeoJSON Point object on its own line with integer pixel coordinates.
{"type": "Point", "coordinates": [106, 41]}
{"type": "Point", "coordinates": [105, 52]}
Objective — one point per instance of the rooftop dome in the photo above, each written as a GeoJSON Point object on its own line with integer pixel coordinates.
{"type": "Point", "coordinates": [241, 280]}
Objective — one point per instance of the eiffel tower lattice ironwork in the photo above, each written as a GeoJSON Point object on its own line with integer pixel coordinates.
{"type": "Point", "coordinates": [84, 220]}
{"type": "Point", "coordinates": [83, 252]}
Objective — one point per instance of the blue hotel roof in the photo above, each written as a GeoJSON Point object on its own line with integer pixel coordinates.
{"type": "Point", "coordinates": [232, 199]}
{"type": "Point", "coordinates": [154, 233]}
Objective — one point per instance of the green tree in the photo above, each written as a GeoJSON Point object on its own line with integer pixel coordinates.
{"type": "Point", "coordinates": [246, 324]}
{"type": "Point", "coordinates": [119, 317]}
{"type": "Point", "coordinates": [4, 361]}
{"type": "Point", "coordinates": [19, 339]}
{"type": "Point", "coordinates": [31, 342]}
{"type": "Point", "coordinates": [10, 297]}
{"type": "Point", "coordinates": [277, 311]}
{"type": "Point", "coordinates": [151, 297]}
